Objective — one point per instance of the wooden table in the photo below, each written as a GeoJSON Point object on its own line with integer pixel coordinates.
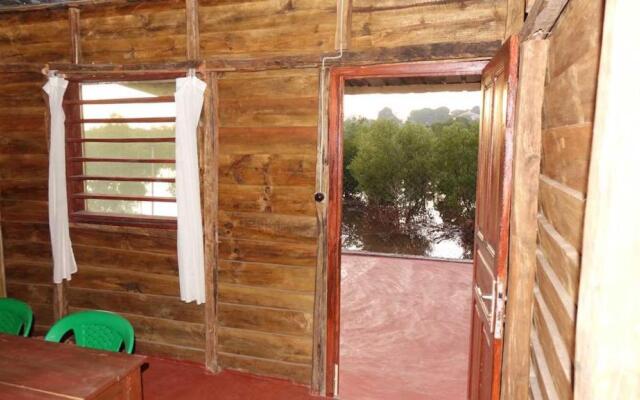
{"type": "Point", "coordinates": [35, 369]}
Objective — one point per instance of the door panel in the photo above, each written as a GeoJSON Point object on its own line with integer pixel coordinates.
{"type": "Point", "coordinates": [493, 203]}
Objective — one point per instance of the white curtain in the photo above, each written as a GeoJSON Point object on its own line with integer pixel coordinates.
{"type": "Point", "coordinates": [189, 98]}
{"type": "Point", "coordinates": [64, 263]}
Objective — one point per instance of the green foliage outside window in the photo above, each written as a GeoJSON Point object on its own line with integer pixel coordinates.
{"type": "Point", "coordinates": [395, 170]}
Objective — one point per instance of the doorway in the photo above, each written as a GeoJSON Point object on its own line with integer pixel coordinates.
{"type": "Point", "coordinates": [408, 280]}
{"type": "Point", "coordinates": [495, 137]}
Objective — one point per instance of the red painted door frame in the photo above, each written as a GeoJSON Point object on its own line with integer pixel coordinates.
{"type": "Point", "coordinates": [338, 76]}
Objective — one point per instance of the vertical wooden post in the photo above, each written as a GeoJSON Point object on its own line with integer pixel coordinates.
{"type": "Point", "coordinates": [524, 210]}
{"type": "Point", "coordinates": [74, 32]}
{"type": "Point", "coordinates": [3, 281]}
{"type": "Point", "coordinates": [318, 372]}
{"type": "Point", "coordinates": [515, 17]}
{"type": "Point", "coordinates": [193, 34]}
{"type": "Point", "coordinates": [210, 216]}
{"type": "Point", "coordinates": [60, 303]}
{"type": "Point", "coordinates": [343, 32]}
{"type": "Point", "coordinates": [608, 323]}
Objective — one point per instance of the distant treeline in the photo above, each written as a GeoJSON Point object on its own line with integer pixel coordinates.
{"type": "Point", "coordinates": [396, 168]}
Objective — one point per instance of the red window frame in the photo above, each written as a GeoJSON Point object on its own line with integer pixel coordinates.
{"type": "Point", "coordinates": [75, 159]}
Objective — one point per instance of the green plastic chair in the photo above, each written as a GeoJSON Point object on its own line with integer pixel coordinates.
{"type": "Point", "coordinates": [100, 330]}
{"type": "Point", "coordinates": [15, 316]}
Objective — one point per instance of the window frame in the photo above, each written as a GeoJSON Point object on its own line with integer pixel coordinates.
{"type": "Point", "coordinates": [75, 159]}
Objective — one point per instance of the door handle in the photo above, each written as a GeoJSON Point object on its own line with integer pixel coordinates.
{"type": "Point", "coordinates": [481, 297]}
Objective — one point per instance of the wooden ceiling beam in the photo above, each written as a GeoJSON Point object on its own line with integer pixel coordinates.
{"type": "Point", "coordinates": [542, 18]}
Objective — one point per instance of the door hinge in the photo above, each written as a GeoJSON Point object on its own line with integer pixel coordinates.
{"type": "Point", "coordinates": [501, 302]}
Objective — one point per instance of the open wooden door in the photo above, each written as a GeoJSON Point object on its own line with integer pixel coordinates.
{"type": "Point", "coordinates": [493, 206]}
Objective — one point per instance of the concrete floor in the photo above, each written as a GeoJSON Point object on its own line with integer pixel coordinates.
{"type": "Point", "coordinates": [166, 379]}
{"type": "Point", "coordinates": [404, 328]}
{"type": "Point", "coordinates": [404, 335]}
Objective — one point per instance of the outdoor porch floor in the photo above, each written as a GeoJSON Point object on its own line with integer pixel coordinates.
{"type": "Point", "coordinates": [404, 328]}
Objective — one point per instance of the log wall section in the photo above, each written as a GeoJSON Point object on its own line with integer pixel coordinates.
{"type": "Point", "coordinates": [267, 164]}
{"type": "Point", "coordinates": [33, 37]}
{"type": "Point", "coordinates": [567, 127]}
{"type": "Point", "coordinates": [267, 222]}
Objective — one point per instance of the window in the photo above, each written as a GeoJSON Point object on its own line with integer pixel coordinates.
{"type": "Point", "coordinates": [121, 152]}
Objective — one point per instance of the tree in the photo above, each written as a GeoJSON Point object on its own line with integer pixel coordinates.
{"type": "Point", "coordinates": [351, 129]}
{"type": "Point", "coordinates": [392, 167]}
{"type": "Point", "coordinates": [129, 150]}
{"type": "Point", "coordinates": [454, 168]}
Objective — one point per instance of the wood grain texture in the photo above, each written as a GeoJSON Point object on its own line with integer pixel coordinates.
{"type": "Point", "coordinates": [570, 94]}
{"type": "Point", "coordinates": [37, 36]}
{"type": "Point", "coordinates": [23, 191]}
{"type": "Point", "coordinates": [553, 348]}
{"type": "Point", "coordinates": [608, 334]}
{"type": "Point", "coordinates": [274, 26]}
{"type": "Point", "coordinates": [522, 266]}
{"type": "Point", "coordinates": [267, 144]}
{"type": "Point", "coordinates": [397, 23]}
{"type": "Point", "coordinates": [543, 14]}
{"type": "Point", "coordinates": [515, 17]}
{"type": "Point", "coordinates": [210, 161]}
{"type": "Point", "coordinates": [267, 227]}
{"type": "Point", "coordinates": [138, 32]}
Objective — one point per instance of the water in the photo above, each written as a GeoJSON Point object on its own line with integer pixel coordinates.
{"type": "Point", "coordinates": [365, 228]}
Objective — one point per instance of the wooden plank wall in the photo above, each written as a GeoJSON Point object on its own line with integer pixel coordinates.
{"type": "Point", "coordinates": [406, 22]}
{"type": "Point", "coordinates": [267, 221]}
{"type": "Point", "coordinates": [259, 27]}
{"type": "Point", "coordinates": [268, 129]}
{"type": "Point", "coordinates": [148, 31]}
{"type": "Point", "coordinates": [23, 157]}
{"type": "Point", "coordinates": [567, 125]}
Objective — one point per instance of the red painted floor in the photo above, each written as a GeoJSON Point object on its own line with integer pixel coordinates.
{"type": "Point", "coordinates": [166, 379]}
{"type": "Point", "coordinates": [404, 328]}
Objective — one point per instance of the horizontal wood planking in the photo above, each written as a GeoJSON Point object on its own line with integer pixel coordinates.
{"type": "Point", "coordinates": [264, 226]}
{"type": "Point", "coordinates": [567, 120]}
{"type": "Point", "coordinates": [262, 140]}
{"type": "Point", "coordinates": [267, 275]}
{"type": "Point", "coordinates": [555, 352]}
{"type": "Point", "coordinates": [541, 367]}
{"type": "Point", "coordinates": [405, 22]}
{"type": "Point", "coordinates": [265, 345]}
{"type": "Point", "coordinates": [297, 372]}
{"type": "Point", "coordinates": [271, 252]}
{"type": "Point", "coordinates": [160, 330]}
{"type": "Point", "coordinates": [122, 280]}
{"type": "Point", "coordinates": [265, 297]}
{"type": "Point", "coordinates": [169, 351]}
{"type": "Point", "coordinates": [267, 112]}
{"type": "Point", "coordinates": [265, 319]}
{"type": "Point", "coordinates": [268, 169]}
{"type": "Point", "coordinates": [566, 152]}
{"type": "Point", "coordinates": [140, 32]}
{"type": "Point", "coordinates": [564, 209]}
{"type": "Point", "coordinates": [283, 200]}
{"type": "Point", "coordinates": [274, 26]}
{"type": "Point", "coordinates": [37, 36]}
{"type": "Point", "coordinates": [267, 224]}
{"type": "Point", "coordinates": [165, 307]}
{"type": "Point", "coordinates": [563, 258]}
{"type": "Point", "coordinates": [561, 307]}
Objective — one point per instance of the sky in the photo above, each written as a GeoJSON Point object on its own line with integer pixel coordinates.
{"type": "Point", "coordinates": [368, 105]}
{"type": "Point", "coordinates": [114, 91]}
